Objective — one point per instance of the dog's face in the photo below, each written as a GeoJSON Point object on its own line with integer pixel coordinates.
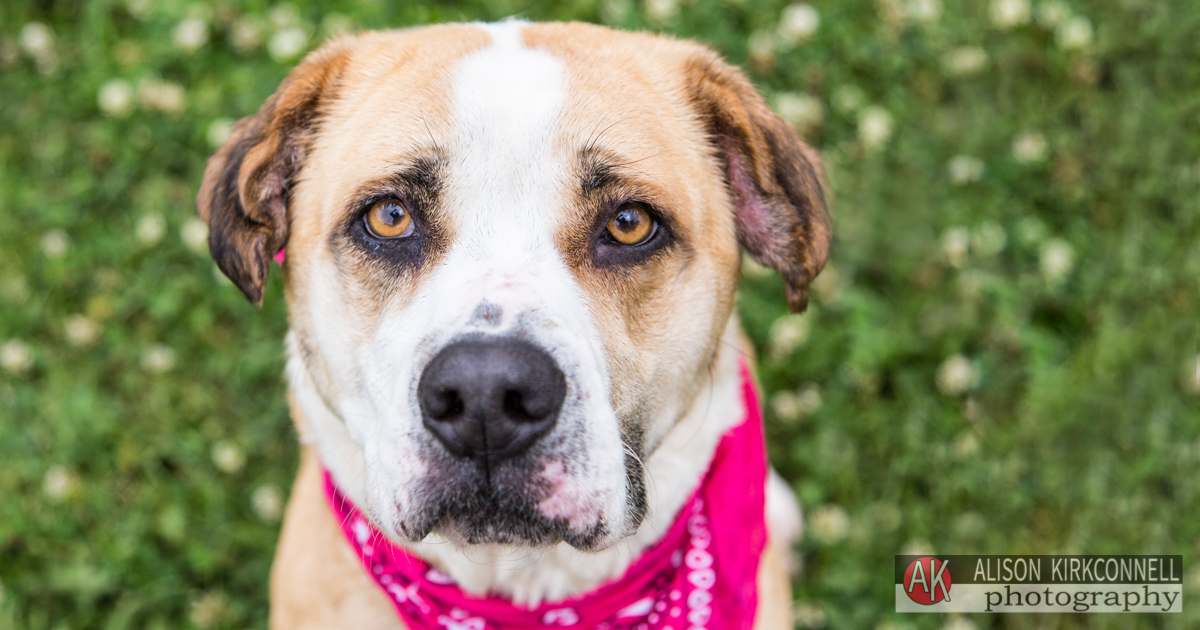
{"type": "Point", "coordinates": [511, 253]}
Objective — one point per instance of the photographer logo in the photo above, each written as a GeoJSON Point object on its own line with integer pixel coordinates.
{"type": "Point", "coordinates": [927, 581]}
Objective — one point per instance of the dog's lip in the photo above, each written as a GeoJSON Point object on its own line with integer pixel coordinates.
{"type": "Point", "coordinates": [491, 517]}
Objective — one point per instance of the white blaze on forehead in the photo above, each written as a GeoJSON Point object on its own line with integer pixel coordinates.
{"type": "Point", "coordinates": [506, 103]}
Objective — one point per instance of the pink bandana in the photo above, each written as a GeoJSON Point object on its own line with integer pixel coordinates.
{"type": "Point", "coordinates": [702, 575]}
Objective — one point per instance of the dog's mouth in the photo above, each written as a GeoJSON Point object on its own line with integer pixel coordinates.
{"type": "Point", "coordinates": [527, 501]}
{"type": "Point", "coordinates": [491, 518]}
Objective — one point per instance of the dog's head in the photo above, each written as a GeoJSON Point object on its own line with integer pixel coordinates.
{"type": "Point", "coordinates": [512, 251]}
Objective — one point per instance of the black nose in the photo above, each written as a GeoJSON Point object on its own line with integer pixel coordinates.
{"type": "Point", "coordinates": [490, 399]}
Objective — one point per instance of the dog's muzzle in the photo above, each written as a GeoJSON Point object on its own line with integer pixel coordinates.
{"type": "Point", "coordinates": [490, 399]}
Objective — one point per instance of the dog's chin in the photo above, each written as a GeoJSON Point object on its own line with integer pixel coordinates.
{"type": "Point", "coordinates": [499, 521]}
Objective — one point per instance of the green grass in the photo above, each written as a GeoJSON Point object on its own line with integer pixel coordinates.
{"type": "Point", "coordinates": [1001, 359]}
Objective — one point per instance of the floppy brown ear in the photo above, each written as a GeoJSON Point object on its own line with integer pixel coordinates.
{"type": "Point", "coordinates": [776, 181]}
{"type": "Point", "coordinates": [244, 195]}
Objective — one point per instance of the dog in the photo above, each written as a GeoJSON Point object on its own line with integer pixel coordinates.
{"type": "Point", "coordinates": [512, 252]}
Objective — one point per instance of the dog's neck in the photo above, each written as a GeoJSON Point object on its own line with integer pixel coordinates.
{"type": "Point", "coordinates": [530, 576]}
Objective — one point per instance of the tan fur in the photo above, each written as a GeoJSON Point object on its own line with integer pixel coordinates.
{"type": "Point", "coordinates": [316, 582]}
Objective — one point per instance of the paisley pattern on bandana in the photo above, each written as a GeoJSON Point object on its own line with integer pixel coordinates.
{"type": "Point", "coordinates": [702, 575]}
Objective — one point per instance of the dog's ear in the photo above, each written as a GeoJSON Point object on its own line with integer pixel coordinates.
{"type": "Point", "coordinates": [776, 181]}
{"type": "Point", "coordinates": [244, 195]}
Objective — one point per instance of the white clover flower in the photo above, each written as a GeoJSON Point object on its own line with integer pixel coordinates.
{"type": "Point", "coordinates": [917, 547]}
{"type": "Point", "coordinates": [966, 444]}
{"type": "Point", "coordinates": [956, 244]}
{"type": "Point", "coordinates": [115, 98]}
{"type": "Point", "coordinates": [1074, 34]}
{"type": "Point", "coordinates": [613, 11]}
{"type": "Point", "coordinates": [37, 40]}
{"type": "Point", "coordinates": [956, 622]}
{"type": "Point", "coordinates": [970, 284]}
{"type": "Point", "coordinates": [287, 44]}
{"type": "Point", "coordinates": [163, 96]}
{"type": "Point", "coordinates": [106, 279]}
{"type": "Point", "coordinates": [194, 234]}
{"type": "Point", "coordinates": [218, 132]}
{"type": "Point", "coordinates": [1007, 14]}
{"type": "Point", "coordinates": [791, 406]}
{"type": "Point", "coordinates": [809, 398]}
{"type": "Point", "coordinates": [965, 61]}
{"type": "Point", "coordinates": [808, 616]}
{"type": "Point", "coordinates": [1191, 380]}
{"type": "Point", "coordinates": [1031, 230]}
{"type": "Point", "coordinates": [885, 517]}
{"type": "Point", "coordinates": [828, 524]}
{"type": "Point", "coordinates": [245, 35]}
{"type": "Point", "coordinates": [47, 64]}
{"type": "Point", "coordinates": [1056, 260]}
{"type": "Point", "coordinates": [1052, 13]}
{"type": "Point", "coordinates": [228, 457]}
{"type": "Point", "coordinates": [150, 229]}
{"type": "Point", "coordinates": [15, 356]}
{"type": "Point", "coordinates": [81, 330]}
{"type": "Point", "coordinates": [848, 99]}
{"type": "Point", "coordinates": [956, 375]}
{"type": "Point", "coordinates": [334, 24]}
{"type": "Point", "coordinates": [969, 524]}
{"type": "Point", "coordinates": [190, 34]}
{"type": "Point", "coordinates": [892, 12]}
{"type": "Point", "coordinates": [965, 169]}
{"type": "Point", "coordinates": [798, 22]}
{"type": "Point", "coordinates": [874, 127]}
{"type": "Point", "coordinates": [787, 334]}
{"type": "Point", "coordinates": [927, 11]}
{"type": "Point", "coordinates": [802, 110]}
{"type": "Point", "coordinates": [139, 9]}
{"type": "Point", "coordinates": [1030, 146]}
{"type": "Point", "coordinates": [284, 16]}
{"type": "Point", "coordinates": [158, 358]}
{"type": "Point", "coordinates": [58, 483]}
{"type": "Point", "coordinates": [209, 610]}
{"type": "Point", "coordinates": [55, 243]}
{"type": "Point", "coordinates": [988, 239]}
{"type": "Point", "coordinates": [662, 10]}
{"type": "Point", "coordinates": [786, 406]}
{"type": "Point", "coordinates": [267, 502]}
{"type": "Point", "coordinates": [761, 46]}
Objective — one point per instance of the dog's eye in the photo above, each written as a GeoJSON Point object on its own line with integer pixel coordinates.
{"type": "Point", "coordinates": [387, 218]}
{"type": "Point", "coordinates": [631, 225]}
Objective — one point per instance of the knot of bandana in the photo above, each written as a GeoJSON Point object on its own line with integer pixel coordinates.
{"type": "Point", "coordinates": [702, 575]}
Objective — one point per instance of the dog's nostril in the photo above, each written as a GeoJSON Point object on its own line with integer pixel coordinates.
{"type": "Point", "coordinates": [446, 406]}
{"type": "Point", "coordinates": [523, 408]}
{"type": "Point", "coordinates": [513, 405]}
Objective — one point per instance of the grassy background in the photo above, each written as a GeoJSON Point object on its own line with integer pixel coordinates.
{"type": "Point", "coordinates": [1002, 357]}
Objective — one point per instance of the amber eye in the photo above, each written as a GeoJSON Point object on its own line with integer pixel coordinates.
{"type": "Point", "coordinates": [388, 219]}
{"type": "Point", "coordinates": [631, 225]}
